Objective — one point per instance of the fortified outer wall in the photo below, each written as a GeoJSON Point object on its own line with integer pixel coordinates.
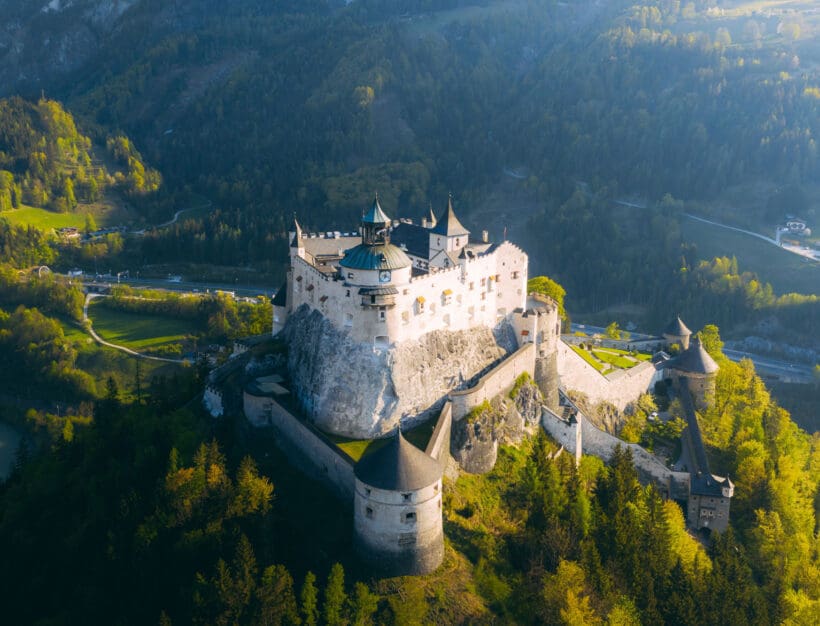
{"type": "Point", "coordinates": [498, 380]}
{"type": "Point", "coordinates": [598, 443]}
{"type": "Point", "coordinates": [619, 388]}
{"type": "Point", "coordinates": [306, 448]}
{"type": "Point", "coordinates": [439, 444]}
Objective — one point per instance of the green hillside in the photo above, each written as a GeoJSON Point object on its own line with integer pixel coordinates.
{"type": "Point", "coordinates": [47, 163]}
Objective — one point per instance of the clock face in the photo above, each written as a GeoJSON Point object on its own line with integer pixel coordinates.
{"type": "Point", "coordinates": [384, 276]}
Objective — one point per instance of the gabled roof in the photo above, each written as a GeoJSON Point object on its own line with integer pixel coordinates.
{"type": "Point", "coordinates": [448, 223]}
{"type": "Point", "coordinates": [375, 215]}
{"type": "Point", "coordinates": [398, 466]}
{"type": "Point", "coordinates": [695, 360]}
{"type": "Point", "coordinates": [677, 328]}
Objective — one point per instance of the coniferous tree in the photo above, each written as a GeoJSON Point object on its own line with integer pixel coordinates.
{"type": "Point", "coordinates": [334, 597]}
{"type": "Point", "coordinates": [309, 601]}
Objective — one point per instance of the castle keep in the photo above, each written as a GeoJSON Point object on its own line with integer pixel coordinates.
{"type": "Point", "coordinates": [398, 281]}
{"type": "Point", "coordinates": [407, 313]}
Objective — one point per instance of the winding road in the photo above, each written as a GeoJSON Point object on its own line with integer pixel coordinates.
{"type": "Point", "coordinates": [87, 322]}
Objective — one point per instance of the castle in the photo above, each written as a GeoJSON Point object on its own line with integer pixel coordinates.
{"type": "Point", "coordinates": [403, 322]}
{"type": "Point", "coordinates": [398, 281]}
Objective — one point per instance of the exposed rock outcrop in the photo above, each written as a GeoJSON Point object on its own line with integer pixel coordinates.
{"type": "Point", "coordinates": [351, 389]}
{"type": "Point", "coordinates": [475, 439]}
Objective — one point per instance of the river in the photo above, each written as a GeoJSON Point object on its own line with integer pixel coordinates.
{"type": "Point", "coordinates": [9, 440]}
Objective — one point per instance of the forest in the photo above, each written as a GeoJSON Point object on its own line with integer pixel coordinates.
{"type": "Point", "coordinates": [191, 522]}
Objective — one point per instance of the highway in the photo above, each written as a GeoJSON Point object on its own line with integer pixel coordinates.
{"type": "Point", "coordinates": [244, 290]}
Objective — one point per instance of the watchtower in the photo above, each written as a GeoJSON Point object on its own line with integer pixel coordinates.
{"type": "Point", "coordinates": [397, 509]}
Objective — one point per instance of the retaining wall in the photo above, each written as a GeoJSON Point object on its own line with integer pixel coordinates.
{"type": "Point", "coordinates": [498, 380]}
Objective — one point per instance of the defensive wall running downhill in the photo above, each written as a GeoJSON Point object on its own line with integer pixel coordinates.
{"type": "Point", "coordinates": [307, 448]}
{"type": "Point", "coordinates": [316, 455]}
{"type": "Point", "coordinates": [498, 380]}
{"type": "Point", "coordinates": [618, 388]}
{"type": "Point", "coordinates": [439, 444]}
{"type": "Point", "coordinates": [596, 442]}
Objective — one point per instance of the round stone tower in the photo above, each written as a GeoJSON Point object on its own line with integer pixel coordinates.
{"type": "Point", "coordinates": [397, 510]}
{"type": "Point", "coordinates": [699, 370]}
{"type": "Point", "coordinates": [676, 332]}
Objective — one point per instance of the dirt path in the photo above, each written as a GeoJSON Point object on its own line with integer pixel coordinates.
{"type": "Point", "coordinates": [87, 321]}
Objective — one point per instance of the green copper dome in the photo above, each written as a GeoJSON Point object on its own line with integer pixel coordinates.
{"type": "Point", "coordinates": [375, 257]}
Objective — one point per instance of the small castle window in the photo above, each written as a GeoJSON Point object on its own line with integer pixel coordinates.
{"type": "Point", "coordinates": [348, 293]}
{"type": "Point", "coordinates": [435, 488]}
{"type": "Point", "coordinates": [368, 512]}
{"type": "Point", "coordinates": [406, 497]}
{"type": "Point", "coordinates": [409, 518]}
{"type": "Point", "coordinates": [382, 315]}
{"type": "Point", "coordinates": [515, 274]}
{"type": "Point", "coordinates": [472, 286]}
{"type": "Point", "coordinates": [367, 491]}
{"type": "Point", "coordinates": [350, 274]}
{"type": "Point", "coordinates": [483, 282]}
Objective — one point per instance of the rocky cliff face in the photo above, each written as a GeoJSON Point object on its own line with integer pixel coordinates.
{"type": "Point", "coordinates": [350, 389]}
{"type": "Point", "coordinates": [507, 420]}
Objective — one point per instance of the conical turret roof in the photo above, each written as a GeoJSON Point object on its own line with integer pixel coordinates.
{"type": "Point", "coordinates": [695, 360]}
{"type": "Point", "coordinates": [448, 223]}
{"type": "Point", "coordinates": [677, 328]}
{"type": "Point", "coordinates": [375, 215]}
{"type": "Point", "coordinates": [398, 466]}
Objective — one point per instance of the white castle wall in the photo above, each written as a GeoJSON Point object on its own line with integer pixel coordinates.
{"type": "Point", "coordinates": [619, 388]}
{"type": "Point", "coordinates": [439, 445]}
{"type": "Point", "coordinates": [598, 443]}
{"type": "Point", "coordinates": [481, 291]}
{"type": "Point", "coordinates": [306, 448]}
{"type": "Point", "coordinates": [498, 380]}
{"type": "Point", "coordinates": [401, 531]}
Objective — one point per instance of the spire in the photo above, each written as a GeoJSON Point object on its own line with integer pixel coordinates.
{"type": "Point", "coordinates": [297, 239]}
{"type": "Point", "coordinates": [375, 215]}
{"type": "Point", "coordinates": [431, 218]}
{"type": "Point", "coordinates": [448, 223]}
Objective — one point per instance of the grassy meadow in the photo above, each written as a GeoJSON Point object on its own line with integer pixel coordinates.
{"type": "Point", "coordinates": [139, 332]}
{"type": "Point", "coordinates": [787, 272]}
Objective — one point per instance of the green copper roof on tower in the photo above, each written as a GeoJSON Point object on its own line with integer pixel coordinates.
{"type": "Point", "coordinates": [375, 215]}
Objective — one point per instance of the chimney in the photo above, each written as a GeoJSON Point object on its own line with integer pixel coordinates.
{"type": "Point", "coordinates": [485, 236]}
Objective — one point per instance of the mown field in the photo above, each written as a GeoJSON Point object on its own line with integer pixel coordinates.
{"type": "Point", "coordinates": [787, 272]}
{"type": "Point", "coordinates": [104, 215]}
{"type": "Point", "coordinates": [139, 332]}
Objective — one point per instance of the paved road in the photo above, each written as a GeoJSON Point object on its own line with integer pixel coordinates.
{"type": "Point", "coordinates": [798, 250]}
{"type": "Point", "coordinates": [249, 291]}
{"type": "Point", "coordinates": [103, 342]}
{"type": "Point", "coordinates": [794, 372]}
